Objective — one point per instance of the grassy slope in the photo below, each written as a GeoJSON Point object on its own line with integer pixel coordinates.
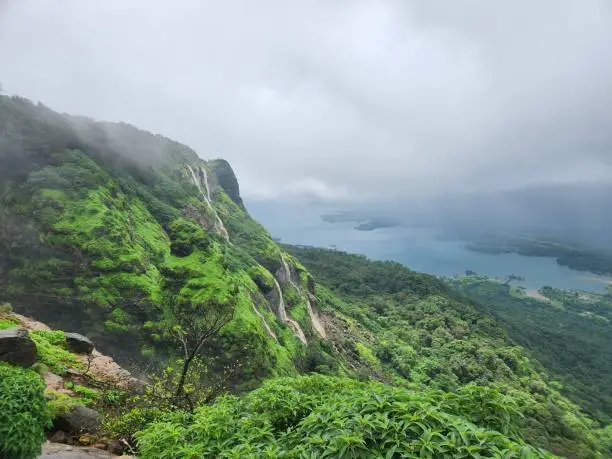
{"type": "Point", "coordinates": [93, 240]}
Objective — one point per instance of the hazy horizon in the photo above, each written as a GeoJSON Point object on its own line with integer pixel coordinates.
{"type": "Point", "coordinates": [345, 102]}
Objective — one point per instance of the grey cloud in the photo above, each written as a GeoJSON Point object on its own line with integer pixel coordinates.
{"type": "Point", "coordinates": [342, 100]}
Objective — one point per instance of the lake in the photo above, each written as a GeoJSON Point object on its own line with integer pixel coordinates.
{"type": "Point", "coordinates": [417, 249]}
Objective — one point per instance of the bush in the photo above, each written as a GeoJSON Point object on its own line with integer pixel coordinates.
{"type": "Point", "coordinates": [23, 413]}
{"type": "Point", "coordinates": [322, 416]}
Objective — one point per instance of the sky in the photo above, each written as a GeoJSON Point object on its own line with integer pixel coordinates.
{"type": "Point", "coordinates": [337, 100]}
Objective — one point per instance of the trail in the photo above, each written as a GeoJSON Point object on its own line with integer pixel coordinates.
{"type": "Point", "coordinates": [314, 316]}
{"type": "Point", "coordinates": [281, 312]}
{"type": "Point", "coordinates": [218, 225]}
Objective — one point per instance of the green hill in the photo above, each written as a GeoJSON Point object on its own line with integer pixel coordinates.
{"type": "Point", "coordinates": [132, 239]}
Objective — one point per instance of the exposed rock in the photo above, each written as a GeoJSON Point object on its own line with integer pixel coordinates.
{"type": "Point", "coordinates": [79, 344]}
{"type": "Point", "coordinates": [59, 437]}
{"type": "Point", "coordinates": [104, 368]}
{"type": "Point", "coordinates": [53, 381]}
{"type": "Point", "coordinates": [116, 447]}
{"type": "Point", "coordinates": [17, 347]}
{"type": "Point", "coordinates": [79, 419]}
{"type": "Point", "coordinates": [227, 180]}
{"type": "Point", "coordinates": [59, 451]}
{"type": "Point", "coordinates": [30, 324]}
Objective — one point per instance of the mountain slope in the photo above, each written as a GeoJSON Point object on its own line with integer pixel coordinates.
{"type": "Point", "coordinates": [568, 332]}
{"type": "Point", "coordinates": [109, 230]}
{"type": "Point", "coordinates": [418, 333]}
{"type": "Point", "coordinates": [104, 225]}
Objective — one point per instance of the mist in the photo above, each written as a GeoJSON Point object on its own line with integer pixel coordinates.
{"type": "Point", "coordinates": [343, 101]}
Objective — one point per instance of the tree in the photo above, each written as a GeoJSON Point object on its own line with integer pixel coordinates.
{"type": "Point", "coordinates": [513, 277]}
{"type": "Point", "coordinates": [192, 324]}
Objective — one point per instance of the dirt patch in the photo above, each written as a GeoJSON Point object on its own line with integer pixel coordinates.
{"type": "Point", "coordinates": [533, 293]}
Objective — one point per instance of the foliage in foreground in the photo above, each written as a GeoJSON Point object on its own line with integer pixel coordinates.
{"type": "Point", "coordinates": [23, 412]}
{"type": "Point", "coordinates": [422, 335]}
{"type": "Point", "coordinates": [321, 416]}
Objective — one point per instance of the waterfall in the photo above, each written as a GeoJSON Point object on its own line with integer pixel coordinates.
{"type": "Point", "coordinates": [263, 319]}
{"type": "Point", "coordinates": [196, 182]}
{"type": "Point", "coordinates": [297, 330]}
{"type": "Point", "coordinates": [314, 316]}
{"type": "Point", "coordinates": [205, 175]}
{"type": "Point", "coordinates": [281, 312]}
{"type": "Point", "coordinates": [218, 224]}
{"type": "Point", "coordinates": [315, 319]}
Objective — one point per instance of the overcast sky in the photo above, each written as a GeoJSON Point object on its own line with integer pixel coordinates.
{"type": "Point", "coordinates": [343, 99]}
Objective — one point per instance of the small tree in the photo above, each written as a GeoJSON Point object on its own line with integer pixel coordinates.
{"type": "Point", "coordinates": [193, 323]}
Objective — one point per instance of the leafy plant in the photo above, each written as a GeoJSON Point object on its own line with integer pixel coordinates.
{"type": "Point", "coordinates": [23, 413]}
{"type": "Point", "coordinates": [321, 416]}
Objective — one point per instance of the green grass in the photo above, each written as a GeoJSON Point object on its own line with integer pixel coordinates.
{"type": "Point", "coordinates": [8, 323]}
{"type": "Point", "coordinates": [52, 353]}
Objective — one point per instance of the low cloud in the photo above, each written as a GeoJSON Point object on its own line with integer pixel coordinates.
{"type": "Point", "coordinates": [337, 100]}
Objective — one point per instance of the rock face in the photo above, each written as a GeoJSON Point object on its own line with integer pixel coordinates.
{"type": "Point", "coordinates": [227, 180]}
{"type": "Point", "coordinates": [79, 344]}
{"type": "Point", "coordinates": [79, 419]}
{"type": "Point", "coordinates": [17, 347]}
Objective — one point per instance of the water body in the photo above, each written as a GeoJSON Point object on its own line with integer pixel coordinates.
{"type": "Point", "coordinates": [420, 250]}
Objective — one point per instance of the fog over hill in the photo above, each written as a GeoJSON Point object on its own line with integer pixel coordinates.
{"type": "Point", "coordinates": [350, 100]}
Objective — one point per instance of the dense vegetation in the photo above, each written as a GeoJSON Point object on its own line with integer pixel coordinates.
{"type": "Point", "coordinates": [424, 335]}
{"type": "Point", "coordinates": [320, 416]}
{"type": "Point", "coordinates": [24, 414]}
{"type": "Point", "coordinates": [103, 230]}
{"type": "Point", "coordinates": [133, 240]}
{"type": "Point", "coordinates": [570, 334]}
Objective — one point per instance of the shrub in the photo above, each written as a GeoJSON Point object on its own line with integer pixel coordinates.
{"type": "Point", "coordinates": [322, 416]}
{"type": "Point", "coordinates": [23, 413]}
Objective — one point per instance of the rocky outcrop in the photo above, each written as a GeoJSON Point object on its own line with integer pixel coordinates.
{"type": "Point", "coordinates": [227, 180]}
{"type": "Point", "coordinates": [17, 347]}
{"type": "Point", "coordinates": [79, 419]}
{"type": "Point", "coordinates": [104, 368]}
{"type": "Point", "coordinates": [79, 344]}
{"type": "Point", "coordinates": [286, 275]}
{"type": "Point", "coordinates": [204, 188]}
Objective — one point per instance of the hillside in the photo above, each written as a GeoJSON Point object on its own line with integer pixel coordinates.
{"type": "Point", "coordinates": [134, 240]}
{"type": "Point", "coordinates": [568, 333]}
{"type": "Point", "coordinates": [104, 225]}
{"type": "Point", "coordinates": [432, 336]}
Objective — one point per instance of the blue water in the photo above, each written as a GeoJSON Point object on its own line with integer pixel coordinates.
{"type": "Point", "coordinates": [419, 250]}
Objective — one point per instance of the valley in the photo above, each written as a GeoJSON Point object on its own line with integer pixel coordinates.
{"type": "Point", "coordinates": [246, 347]}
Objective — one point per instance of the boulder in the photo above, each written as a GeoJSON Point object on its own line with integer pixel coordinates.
{"type": "Point", "coordinates": [78, 420]}
{"type": "Point", "coordinates": [116, 447]}
{"type": "Point", "coordinates": [79, 344]}
{"type": "Point", "coordinates": [59, 437]}
{"type": "Point", "coordinates": [17, 347]}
